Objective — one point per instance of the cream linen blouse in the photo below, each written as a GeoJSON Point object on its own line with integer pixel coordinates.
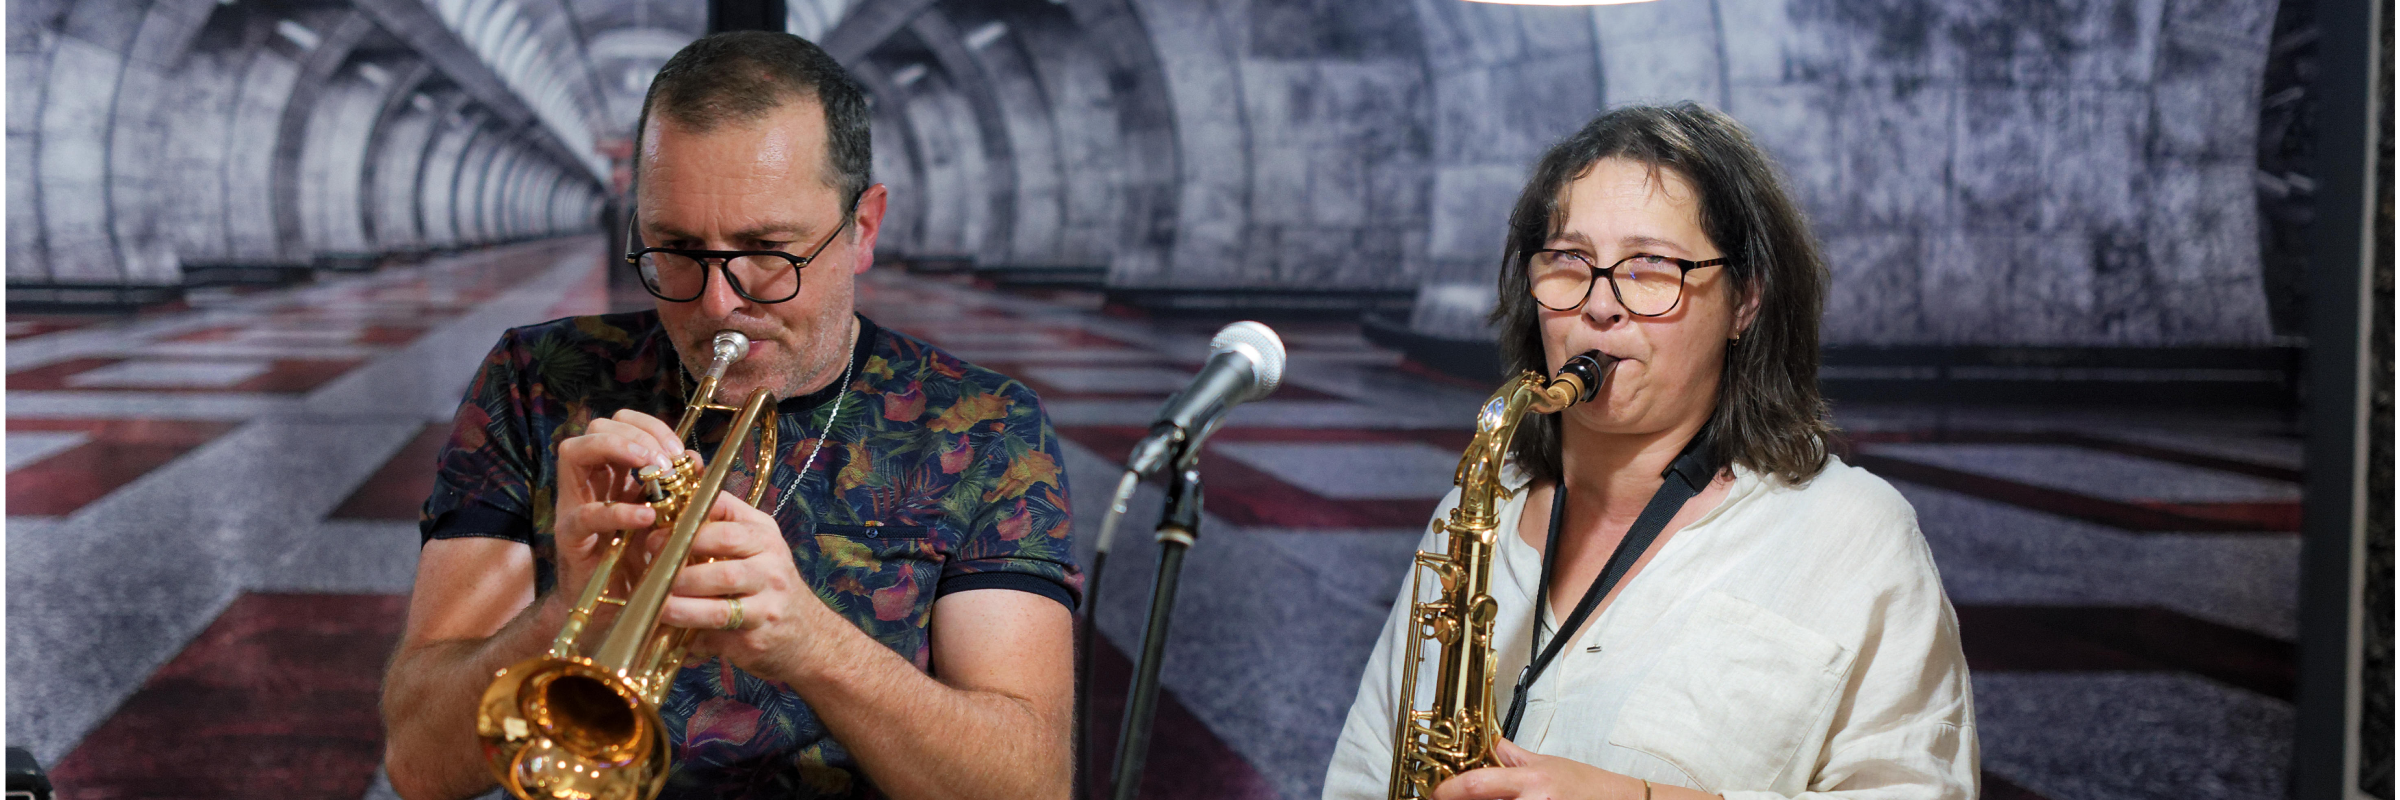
{"type": "Point", "coordinates": [1794, 641]}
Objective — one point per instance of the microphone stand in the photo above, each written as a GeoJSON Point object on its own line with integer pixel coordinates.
{"type": "Point", "coordinates": [1086, 627]}
{"type": "Point", "coordinates": [1178, 526]}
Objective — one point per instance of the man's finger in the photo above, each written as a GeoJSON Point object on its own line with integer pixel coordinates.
{"type": "Point", "coordinates": [657, 429]}
{"type": "Point", "coordinates": [729, 508]}
{"type": "Point", "coordinates": [601, 515]}
{"type": "Point", "coordinates": [729, 540]}
{"type": "Point", "coordinates": [717, 579]}
{"type": "Point", "coordinates": [703, 613]}
{"type": "Point", "coordinates": [595, 450]}
{"type": "Point", "coordinates": [638, 434]}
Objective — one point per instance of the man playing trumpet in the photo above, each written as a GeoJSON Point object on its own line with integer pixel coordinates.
{"type": "Point", "coordinates": [892, 617]}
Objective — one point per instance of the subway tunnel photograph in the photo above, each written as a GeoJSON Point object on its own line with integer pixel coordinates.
{"type": "Point", "coordinates": [1199, 399]}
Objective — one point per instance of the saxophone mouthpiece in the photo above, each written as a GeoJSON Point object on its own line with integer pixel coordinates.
{"type": "Point", "coordinates": [1586, 370]}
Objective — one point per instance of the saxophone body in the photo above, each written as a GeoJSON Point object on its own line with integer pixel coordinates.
{"type": "Point", "coordinates": [1449, 727]}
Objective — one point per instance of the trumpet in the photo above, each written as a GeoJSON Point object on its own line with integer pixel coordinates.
{"type": "Point", "coordinates": [1456, 730]}
{"type": "Point", "coordinates": [567, 724]}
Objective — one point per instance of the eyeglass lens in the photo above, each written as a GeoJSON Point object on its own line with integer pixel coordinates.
{"type": "Point", "coordinates": [1647, 285]}
{"type": "Point", "coordinates": [761, 278]}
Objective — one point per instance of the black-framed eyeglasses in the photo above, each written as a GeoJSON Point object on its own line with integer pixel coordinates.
{"type": "Point", "coordinates": [677, 275]}
{"type": "Point", "coordinates": [1646, 285]}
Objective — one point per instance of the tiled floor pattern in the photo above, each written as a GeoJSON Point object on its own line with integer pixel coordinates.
{"type": "Point", "coordinates": [277, 698]}
{"type": "Point", "coordinates": [2125, 586]}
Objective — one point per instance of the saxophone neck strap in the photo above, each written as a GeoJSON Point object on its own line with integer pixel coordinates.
{"type": "Point", "coordinates": [1684, 478]}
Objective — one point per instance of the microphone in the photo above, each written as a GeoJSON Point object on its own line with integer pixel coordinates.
{"type": "Point", "coordinates": [1245, 363]}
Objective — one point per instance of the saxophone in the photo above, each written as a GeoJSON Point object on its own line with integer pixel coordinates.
{"type": "Point", "coordinates": [1455, 731]}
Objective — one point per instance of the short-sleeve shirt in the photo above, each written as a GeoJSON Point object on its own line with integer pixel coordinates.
{"type": "Point", "coordinates": [936, 477]}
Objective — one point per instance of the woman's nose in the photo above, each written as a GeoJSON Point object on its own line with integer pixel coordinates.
{"type": "Point", "coordinates": [1600, 304]}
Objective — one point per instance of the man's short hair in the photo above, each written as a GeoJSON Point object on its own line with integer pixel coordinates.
{"type": "Point", "coordinates": [1769, 415]}
{"type": "Point", "coordinates": [742, 76]}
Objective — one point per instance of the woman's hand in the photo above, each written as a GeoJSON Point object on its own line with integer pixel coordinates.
{"type": "Point", "coordinates": [1526, 776]}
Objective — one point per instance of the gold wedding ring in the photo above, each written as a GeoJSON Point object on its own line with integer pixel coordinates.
{"type": "Point", "coordinates": [733, 614]}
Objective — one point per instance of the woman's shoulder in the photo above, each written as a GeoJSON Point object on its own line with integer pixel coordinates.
{"type": "Point", "coordinates": [1846, 513]}
{"type": "Point", "coordinates": [1847, 493]}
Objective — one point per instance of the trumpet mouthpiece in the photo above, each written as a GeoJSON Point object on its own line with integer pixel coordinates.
{"type": "Point", "coordinates": [730, 346]}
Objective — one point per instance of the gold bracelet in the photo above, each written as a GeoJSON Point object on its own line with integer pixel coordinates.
{"type": "Point", "coordinates": [1645, 789]}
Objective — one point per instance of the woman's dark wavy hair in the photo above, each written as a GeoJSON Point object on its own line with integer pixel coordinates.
{"type": "Point", "coordinates": [1769, 416]}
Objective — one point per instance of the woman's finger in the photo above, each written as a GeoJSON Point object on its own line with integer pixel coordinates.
{"type": "Point", "coordinates": [1489, 783]}
{"type": "Point", "coordinates": [1510, 755]}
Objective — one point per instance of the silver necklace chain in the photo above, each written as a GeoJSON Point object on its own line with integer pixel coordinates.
{"type": "Point", "coordinates": [821, 437]}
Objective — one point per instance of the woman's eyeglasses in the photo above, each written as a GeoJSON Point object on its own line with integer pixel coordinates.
{"type": "Point", "coordinates": [1645, 285]}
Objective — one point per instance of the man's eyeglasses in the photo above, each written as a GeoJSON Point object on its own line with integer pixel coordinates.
{"type": "Point", "coordinates": [760, 276]}
{"type": "Point", "coordinates": [1645, 285]}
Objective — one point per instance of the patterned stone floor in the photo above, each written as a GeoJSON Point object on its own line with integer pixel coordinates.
{"type": "Point", "coordinates": [211, 526]}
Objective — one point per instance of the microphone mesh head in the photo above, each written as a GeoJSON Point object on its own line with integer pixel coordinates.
{"type": "Point", "coordinates": [1261, 340]}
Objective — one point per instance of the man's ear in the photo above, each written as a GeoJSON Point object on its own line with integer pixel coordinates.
{"type": "Point", "coordinates": [869, 222]}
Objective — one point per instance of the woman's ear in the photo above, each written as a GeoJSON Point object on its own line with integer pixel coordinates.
{"type": "Point", "coordinates": [1747, 313]}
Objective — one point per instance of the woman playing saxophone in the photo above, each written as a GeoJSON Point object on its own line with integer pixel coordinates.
{"type": "Point", "coordinates": [1690, 595]}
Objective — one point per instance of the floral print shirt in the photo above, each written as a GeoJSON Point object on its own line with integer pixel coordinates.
{"type": "Point", "coordinates": [937, 476]}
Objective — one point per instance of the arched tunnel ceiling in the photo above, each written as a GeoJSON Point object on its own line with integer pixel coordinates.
{"type": "Point", "coordinates": [1183, 145]}
{"type": "Point", "coordinates": [586, 63]}
{"type": "Point", "coordinates": [2007, 179]}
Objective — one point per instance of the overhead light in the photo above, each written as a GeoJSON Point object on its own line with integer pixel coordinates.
{"type": "Point", "coordinates": [983, 37]}
{"type": "Point", "coordinates": [298, 34]}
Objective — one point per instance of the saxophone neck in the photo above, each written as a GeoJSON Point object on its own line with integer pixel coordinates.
{"type": "Point", "coordinates": [1478, 477]}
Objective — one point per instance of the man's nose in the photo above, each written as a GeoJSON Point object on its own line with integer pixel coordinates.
{"type": "Point", "coordinates": [719, 299]}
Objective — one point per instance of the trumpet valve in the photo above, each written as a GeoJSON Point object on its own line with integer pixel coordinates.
{"type": "Point", "coordinates": [653, 483]}
{"type": "Point", "coordinates": [668, 489]}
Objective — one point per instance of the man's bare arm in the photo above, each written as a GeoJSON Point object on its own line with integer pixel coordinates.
{"type": "Point", "coordinates": [473, 611]}
{"type": "Point", "coordinates": [993, 720]}
{"type": "Point", "coordinates": [993, 725]}
{"type": "Point", "coordinates": [471, 614]}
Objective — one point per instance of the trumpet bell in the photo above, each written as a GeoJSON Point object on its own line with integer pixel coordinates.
{"type": "Point", "coordinates": [567, 728]}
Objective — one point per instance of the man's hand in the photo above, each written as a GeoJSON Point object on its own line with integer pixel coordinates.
{"type": "Point", "coordinates": [1526, 776]}
{"type": "Point", "coordinates": [597, 492]}
{"type": "Point", "coordinates": [781, 615]}
{"type": "Point", "coordinates": [473, 610]}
